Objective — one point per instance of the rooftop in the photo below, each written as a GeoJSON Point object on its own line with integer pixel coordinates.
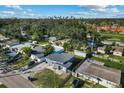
{"type": "Point", "coordinates": [63, 57]}
{"type": "Point", "coordinates": [118, 49]}
{"type": "Point", "coordinates": [95, 70]}
{"type": "Point", "coordinates": [38, 51]}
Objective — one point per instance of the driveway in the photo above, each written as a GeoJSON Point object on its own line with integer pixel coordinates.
{"type": "Point", "coordinates": [38, 68]}
{"type": "Point", "coordinates": [16, 81]}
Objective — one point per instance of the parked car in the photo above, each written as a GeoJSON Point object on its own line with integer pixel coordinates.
{"type": "Point", "coordinates": [77, 83]}
{"type": "Point", "coordinates": [31, 78]}
{"type": "Point", "coordinates": [31, 63]}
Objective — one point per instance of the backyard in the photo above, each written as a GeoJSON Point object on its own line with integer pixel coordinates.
{"type": "Point", "coordinates": [87, 84]}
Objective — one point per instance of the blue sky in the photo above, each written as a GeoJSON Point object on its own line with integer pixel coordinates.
{"type": "Point", "coordinates": [41, 11]}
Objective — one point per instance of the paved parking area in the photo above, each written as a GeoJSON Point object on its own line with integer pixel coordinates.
{"type": "Point", "coordinates": [38, 68]}
{"type": "Point", "coordinates": [16, 81]}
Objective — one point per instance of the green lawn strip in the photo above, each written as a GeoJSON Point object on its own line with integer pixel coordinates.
{"type": "Point", "coordinates": [42, 43]}
{"type": "Point", "coordinates": [98, 86]}
{"type": "Point", "coordinates": [110, 63]}
{"type": "Point", "coordinates": [68, 84]}
{"type": "Point", "coordinates": [2, 86]}
{"type": "Point", "coordinates": [90, 84]}
{"type": "Point", "coordinates": [113, 36]}
{"type": "Point", "coordinates": [121, 58]}
{"type": "Point", "coordinates": [48, 79]}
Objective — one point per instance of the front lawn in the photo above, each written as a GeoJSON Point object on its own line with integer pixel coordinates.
{"type": "Point", "coordinates": [48, 79]}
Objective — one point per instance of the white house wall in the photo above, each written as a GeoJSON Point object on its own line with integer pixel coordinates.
{"type": "Point", "coordinates": [103, 82]}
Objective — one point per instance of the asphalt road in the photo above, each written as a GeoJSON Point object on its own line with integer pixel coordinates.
{"type": "Point", "coordinates": [16, 81]}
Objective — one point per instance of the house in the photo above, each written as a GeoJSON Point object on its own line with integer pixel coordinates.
{"type": "Point", "coordinates": [119, 43]}
{"type": "Point", "coordinates": [11, 43]}
{"type": "Point", "coordinates": [105, 42]}
{"type": "Point", "coordinates": [80, 53]}
{"type": "Point", "coordinates": [61, 42]}
{"type": "Point", "coordinates": [3, 38]}
{"type": "Point", "coordinates": [37, 54]}
{"type": "Point", "coordinates": [60, 61]}
{"type": "Point", "coordinates": [99, 74]}
{"type": "Point", "coordinates": [118, 51]}
{"type": "Point", "coordinates": [101, 50]}
{"type": "Point", "coordinates": [18, 48]}
{"type": "Point", "coordinates": [111, 29]}
{"type": "Point", "coordinates": [58, 49]}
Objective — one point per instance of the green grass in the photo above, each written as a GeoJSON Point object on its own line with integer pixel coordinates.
{"type": "Point", "coordinates": [48, 79]}
{"type": "Point", "coordinates": [87, 84]}
{"type": "Point", "coordinates": [68, 84]}
{"type": "Point", "coordinates": [121, 58]}
{"type": "Point", "coordinates": [42, 43]}
{"type": "Point", "coordinates": [2, 86]}
{"type": "Point", "coordinates": [113, 36]}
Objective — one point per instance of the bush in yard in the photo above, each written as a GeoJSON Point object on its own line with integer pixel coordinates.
{"type": "Point", "coordinates": [48, 49]}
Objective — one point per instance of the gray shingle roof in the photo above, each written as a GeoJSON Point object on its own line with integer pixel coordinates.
{"type": "Point", "coordinates": [110, 74]}
{"type": "Point", "coordinates": [63, 57]}
{"type": "Point", "coordinates": [38, 51]}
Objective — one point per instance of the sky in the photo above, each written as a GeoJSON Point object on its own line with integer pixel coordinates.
{"type": "Point", "coordinates": [43, 11]}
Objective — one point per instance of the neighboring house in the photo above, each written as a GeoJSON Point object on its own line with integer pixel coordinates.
{"type": "Point", "coordinates": [61, 42]}
{"type": "Point", "coordinates": [120, 43]}
{"type": "Point", "coordinates": [80, 53]}
{"type": "Point", "coordinates": [3, 38]}
{"type": "Point", "coordinates": [101, 50]}
{"type": "Point", "coordinates": [11, 43]}
{"type": "Point", "coordinates": [18, 48]}
{"type": "Point", "coordinates": [105, 42]}
{"type": "Point", "coordinates": [60, 61]}
{"type": "Point", "coordinates": [118, 51]}
{"type": "Point", "coordinates": [99, 74]}
{"type": "Point", "coordinates": [58, 49]}
{"type": "Point", "coordinates": [37, 54]}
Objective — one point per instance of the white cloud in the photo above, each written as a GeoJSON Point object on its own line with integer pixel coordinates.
{"type": "Point", "coordinates": [31, 15]}
{"type": "Point", "coordinates": [84, 14]}
{"type": "Point", "coordinates": [101, 8]}
{"type": "Point", "coordinates": [8, 12]}
{"type": "Point", "coordinates": [15, 7]}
